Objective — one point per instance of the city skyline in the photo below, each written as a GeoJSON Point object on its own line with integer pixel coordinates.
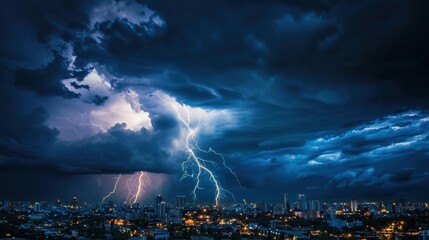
{"type": "Point", "coordinates": [162, 220]}
{"type": "Point", "coordinates": [215, 101]}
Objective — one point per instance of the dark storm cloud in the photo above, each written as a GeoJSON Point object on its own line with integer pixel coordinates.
{"type": "Point", "coordinates": [29, 143]}
{"type": "Point", "coordinates": [99, 100]}
{"type": "Point", "coordinates": [118, 150]}
{"type": "Point", "coordinates": [47, 80]}
{"type": "Point", "coordinates": [388, 155]}
{"type": "Point", "coordinates": [25, 140]}
{"type": "Point", "coordinates": [306, 80]}
{"type": "Point", "coordinates": [215, 44]}
{"type": "Point", "coordinates": [29, 27]}
{"type": "Point", "coordinates": [78, 86]}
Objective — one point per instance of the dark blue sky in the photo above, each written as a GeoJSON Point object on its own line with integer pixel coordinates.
{"type": "Point", "coordinates": [327, 98]}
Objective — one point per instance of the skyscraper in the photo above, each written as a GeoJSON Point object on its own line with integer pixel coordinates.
{"type": "Point", "coordinates": [160, 207]}
{"type": "Point", "coordinates": [285, 200]}
{"type": "Point", "coordinates": [302, 201]}
{"type": "Point", "coordinates": [353, 206]}
{"type": "Point", "coordinates": [158, 199]}
{"type": "Point", "coordinates": [264, 206]}
{"type": "Point", "coordinates": [180, 201]}
{"type": "Point", "coordinates": [160, 210]}
{"type": "Point", "coordinates": [314, 205]}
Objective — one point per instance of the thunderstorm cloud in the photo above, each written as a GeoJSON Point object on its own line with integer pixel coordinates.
{"type": "Point", "coordinates": [329, 98]}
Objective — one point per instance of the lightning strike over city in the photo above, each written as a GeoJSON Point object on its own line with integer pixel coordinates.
{"type": "Point", "coordinates": [134, 187]}
{"type": "Point", "coordinates": [142, 180]}
{"type": "Point", "coordinates": [142, 119]}
{"type": "Point", "coordinates": [194, 160]}
{"type": "Point", "coordinates": [129, 187]}
{"type": "Point", "coordinates": [114, 188]}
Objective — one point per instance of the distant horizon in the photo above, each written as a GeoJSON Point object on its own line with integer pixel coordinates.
{"type": "Point", "coordinates": [172, 200]}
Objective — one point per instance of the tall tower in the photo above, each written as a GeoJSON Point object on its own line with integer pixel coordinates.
{"type": "Point", "coordinates": [180, 201]}
{"type": "Point", "coordinates": [160, 210]}
{"type": "Point", "coordinates": [158, 199]}
{"type": "Point", "coordinates": [286, 201]}
{"type": "Point", "coordinates": [314, 205]}
{"type": "Point", "coordinates": [353, 206]}
{"type": "Point", "coordinates": [302, 201]}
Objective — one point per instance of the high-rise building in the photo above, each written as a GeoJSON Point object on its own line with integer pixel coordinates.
{"type": "Point", "coordinates": [37, 207]}
{"type": "Point", "coordinates": [264, 206]}
{"type": "Point", "coordinates": [160, 210]}
{"type": "Point", "coordinates": [74, 202]}
{"type": "Point", "coordinates": [353, 206]}
{"type": "Point", "coordinates": [302, 201]}
{"type": "Point", "coordinates": [110, 204]}
{"type": "Point", "coordinates": [160, 207]}
{"type": "Point", "coordinates": [286, 201]}
{"type": "Point", "coordinates": [314, 205]}
{"type": "Point", "coordinates": [278, 209]}
{"type": "Point", "coordinates": [180, 201]}
{"type": "Point", "coordinates": [158, 199]}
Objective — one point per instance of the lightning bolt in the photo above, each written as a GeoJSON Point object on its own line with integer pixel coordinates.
{"type": "Point", "coordinates": [202, 165]}
{"type": "Point", "coordinates": [129, 188]}
{"type": "Point", "coordinates": [114, 189]}
{"type": "Point", "coordinates": [139, 187]}
{"type": "Point", "coordinates": [86, 123]}
{"type": "Point", "coordinates": [220, 155]}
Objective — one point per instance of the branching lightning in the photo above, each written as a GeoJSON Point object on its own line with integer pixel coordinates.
{"type": "Point", "coordinates": [86, 122]}
{"type": "Point", "coordinates": [129, 187]}
{"type": "Point", "coordinates": [195, 166]}
{"type": "Point", "coordinates": [114, 189]}
{"type": "Point", "coordinates": [141, 183]}
{"type": "Point", "coordinates": [135, 186]}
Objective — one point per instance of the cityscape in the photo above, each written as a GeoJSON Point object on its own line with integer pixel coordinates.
{"type": "Point", "coordinates": [214, 119]}
{"type": "Point", "coordinates": [179, 219]}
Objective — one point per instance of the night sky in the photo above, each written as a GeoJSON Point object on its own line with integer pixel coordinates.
{"type": "Point", "coordinates": [326, 98]}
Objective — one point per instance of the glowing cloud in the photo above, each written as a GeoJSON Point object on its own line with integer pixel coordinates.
{"type": "Point", "coordinates": [194, 162]}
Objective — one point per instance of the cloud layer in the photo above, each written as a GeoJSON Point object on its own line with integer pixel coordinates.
{"type": "Point", "coordinates": [307, 96]}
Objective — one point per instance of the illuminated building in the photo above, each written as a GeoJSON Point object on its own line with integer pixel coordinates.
{"type": "Point", "coordinates": [353, 206]}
